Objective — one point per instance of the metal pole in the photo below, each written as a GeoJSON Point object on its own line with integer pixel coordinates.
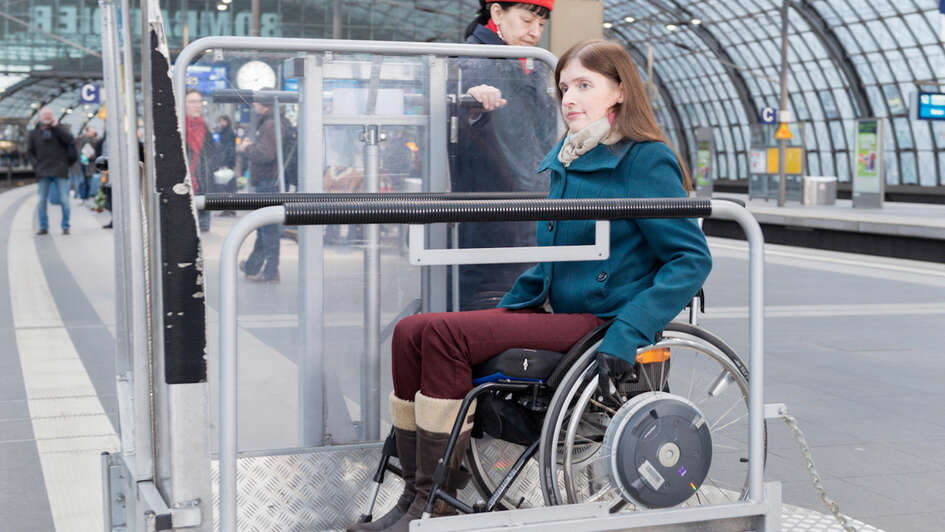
{"type": "Point", "coordinates": [254, 31]}
{"type": "Point", "coordinates": [277, 123]}
{"type": "Point", "coordinates": [185, 23]}
{"type": "Point", "coordinates": [756, 343]}
{"type": "Point", "coordinates": [228, 366]}
{"type": "Point", "coordinates": [336, 20]}
{"type": "Point", "coordinates": [371, 363]}
{"type": "Point", "coordinates": [782, 144]}
{"type": "Point", "coordinates": [311, 256]}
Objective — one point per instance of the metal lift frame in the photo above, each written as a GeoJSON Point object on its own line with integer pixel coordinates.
{"type": "Point", "coordinates": [149, 478]}
{"type": "Point", "coordinates": [759, 511]}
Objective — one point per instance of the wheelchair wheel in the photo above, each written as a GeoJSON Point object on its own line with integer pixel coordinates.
{"type": "Point", "coordinates": [489, 459]}
{"type": "Point", "coordinates": [706, 373]}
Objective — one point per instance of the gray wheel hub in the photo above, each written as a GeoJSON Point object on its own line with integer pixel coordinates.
{"type": "Point", "coordinates": [659, 450]}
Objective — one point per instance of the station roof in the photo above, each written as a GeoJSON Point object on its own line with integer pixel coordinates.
{"type": "Point", "coordinates": [719, 64]}
{"type": "Point", "coordinates": [715, 64]}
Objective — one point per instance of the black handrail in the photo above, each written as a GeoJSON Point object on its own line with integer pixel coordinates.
{"type": "Point", "coordinates": [451, 211]}
{"type": "Point", "coordinates": [249, 202]}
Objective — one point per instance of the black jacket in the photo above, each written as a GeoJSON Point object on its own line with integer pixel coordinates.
{"type": "Point", "coordinates": [500, 151]}
{"type": "Point", "coordinates": [48, 148]}
{"type": "Point", "coordinates": [262, 156]}
{"type": "Point", "coordinates": [226, 148]}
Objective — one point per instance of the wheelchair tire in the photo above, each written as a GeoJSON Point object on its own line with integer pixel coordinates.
{"type": "Point", "coordinates": [488, 459]}
{"type": "Point", "coordinates": [563, 483]}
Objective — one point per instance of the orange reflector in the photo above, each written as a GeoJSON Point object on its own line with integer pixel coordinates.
{"type": "Point", "coordinates": [653, 355]}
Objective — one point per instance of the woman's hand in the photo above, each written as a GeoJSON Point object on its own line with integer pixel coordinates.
{"type": "Point", "coordinates": [489, 96]}
{"type": "Point", "coordinates": [613, 371]}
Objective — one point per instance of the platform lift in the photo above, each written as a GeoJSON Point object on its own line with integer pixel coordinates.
{"type": "Point", "coordinates": [165, 476]}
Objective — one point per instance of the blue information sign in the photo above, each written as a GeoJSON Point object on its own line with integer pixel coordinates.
{"type": "Point", "coordinates": [89, 93]}
{"type": "Point", "coordinates": [931, 106]}
{"type": "Point", "coordinates": [769, 115]}
{"type": "Point", "coordinates": [206, 78]}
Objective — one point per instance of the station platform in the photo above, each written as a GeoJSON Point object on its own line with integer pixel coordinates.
{"type": "Point", "coordinates": [854, 348]}
{"type": "Point", "coordinates": [901, 230]}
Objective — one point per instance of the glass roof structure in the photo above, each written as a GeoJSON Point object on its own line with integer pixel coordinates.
{"type": "Point", "coordinates": [720, 63]}
{"type": "Point", "coordinates": [715, 63]}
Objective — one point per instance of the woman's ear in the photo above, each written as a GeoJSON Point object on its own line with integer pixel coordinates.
{"type": "Point", "coordinates": [496, 12]}
{"type": "Point", "coordinates": [620, 97]}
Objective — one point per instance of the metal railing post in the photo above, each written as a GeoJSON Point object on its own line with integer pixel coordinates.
{"type": "Point", "coordinates": [228, 366]}
{"type": "Point", "coordinates": [756, 259]}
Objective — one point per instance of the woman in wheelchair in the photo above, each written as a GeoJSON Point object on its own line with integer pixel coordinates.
{"type": "Point", "coordinates": [614, 148]}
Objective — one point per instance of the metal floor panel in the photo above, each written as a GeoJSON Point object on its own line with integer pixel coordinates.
{"type": "Point", "coordinates": [318, 489]}
{"type": "Point", "coordinates": [795, 519]}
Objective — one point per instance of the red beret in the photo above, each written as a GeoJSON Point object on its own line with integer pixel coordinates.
{"type": "Point", "coordinates": [549, 4]}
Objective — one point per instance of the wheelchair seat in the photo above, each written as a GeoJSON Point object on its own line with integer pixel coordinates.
{"type": "Point", "coordinates": [517, 364]}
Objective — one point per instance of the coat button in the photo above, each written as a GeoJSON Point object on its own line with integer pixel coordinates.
{"type": "Point", "coordinates": [602, 276]}
{"type": "Point", "coordinates": [551, 226]}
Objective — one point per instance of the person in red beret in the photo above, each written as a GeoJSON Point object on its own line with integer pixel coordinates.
{"type": "Point", "coordinates": [500, 144]}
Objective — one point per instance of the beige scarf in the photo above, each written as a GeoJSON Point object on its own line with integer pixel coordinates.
{"type": "Point", "coordinates": [585, 140]}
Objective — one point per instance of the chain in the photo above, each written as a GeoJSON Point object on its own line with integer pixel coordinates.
{"type": "Point", "coordinates": [814, 476]}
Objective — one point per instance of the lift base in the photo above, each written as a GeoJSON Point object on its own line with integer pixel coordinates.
{"type": "Point", "coordinates": [757, 517]}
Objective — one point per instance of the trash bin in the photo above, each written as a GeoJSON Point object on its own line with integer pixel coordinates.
{"type": "Point", "coordinates": [819, 190]}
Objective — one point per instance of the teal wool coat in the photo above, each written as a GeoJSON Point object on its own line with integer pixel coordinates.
{"type": "Point", "coordinates": [655, 267]}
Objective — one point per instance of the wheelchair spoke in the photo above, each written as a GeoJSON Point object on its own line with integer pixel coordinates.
{"type": "Point", "coordinates": [726, 413]}
{"type": "Point", "coordinates": [732, 422]}
{"type": "Point", "coordinates": [662, 382]}
{"type": "Point", "coordinates": [646, 375]}
{"type": "Point", "coordinates": [724, 492]}
{"type": "Point", "coordinates": [692, 382]}
{"type": "Point", "coordinates": [726, 447]}
{"type": "Point", "coordinates": [605, 407]}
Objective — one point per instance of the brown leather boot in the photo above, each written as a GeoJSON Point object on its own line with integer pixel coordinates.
{"type": "Point", "coordinates": [405, 436]}
{"type": "Point", "coordinates": [434, 422]}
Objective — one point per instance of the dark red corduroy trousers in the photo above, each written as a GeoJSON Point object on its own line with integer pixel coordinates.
{"type": "Point", "coordinates": [434, 353]}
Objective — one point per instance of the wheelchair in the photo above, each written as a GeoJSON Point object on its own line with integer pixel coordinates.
{"type": "Point", "coordinates": [545, 434]}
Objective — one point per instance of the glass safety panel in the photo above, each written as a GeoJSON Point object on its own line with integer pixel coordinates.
{"type": "Point", "coordinates": [310, 372]}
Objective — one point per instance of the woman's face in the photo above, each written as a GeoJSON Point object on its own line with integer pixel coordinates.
{"type": "Point", "coordinates": [586, 96]}
{"type": "Point", "coordinates": [194, 105]}
{"type": "Point", "coordinates": [519, 26]}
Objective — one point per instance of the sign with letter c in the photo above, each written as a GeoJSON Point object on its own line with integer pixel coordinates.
{"type": "Point", "coordinates": [769, 115]}
{"type": "Point", "coordinates": [89, 93]}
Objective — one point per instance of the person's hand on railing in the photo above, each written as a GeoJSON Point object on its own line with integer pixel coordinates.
{"type": "Point", "coordinates": [489, 96]}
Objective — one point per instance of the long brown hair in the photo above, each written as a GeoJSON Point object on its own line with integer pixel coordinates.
{"type": "Point", "coordinates": [634, 118]}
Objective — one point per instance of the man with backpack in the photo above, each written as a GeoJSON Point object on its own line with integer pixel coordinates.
{"type": "Point", "coordinates": [52, 150]}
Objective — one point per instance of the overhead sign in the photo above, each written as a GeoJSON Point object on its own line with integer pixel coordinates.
{"type": "Point", "coordinates": [89, 93]}
{"type": "Point", "coordinates": [783, 133]}
{"type": "Point", "coordinates": [931, 106]}
{"type": "Point", "coordinates": [207, 78]}
{"type": "Point", "coordinates": [769, 115]}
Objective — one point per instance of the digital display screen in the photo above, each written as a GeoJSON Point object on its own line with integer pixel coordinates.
{"type": "Point", "coordinates": [206, 78]}
{"type": "Point", "coordinates": [931, 106]}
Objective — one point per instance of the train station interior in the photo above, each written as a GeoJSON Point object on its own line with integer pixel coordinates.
{"type": "Point", "coordinates": [192, 339]}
